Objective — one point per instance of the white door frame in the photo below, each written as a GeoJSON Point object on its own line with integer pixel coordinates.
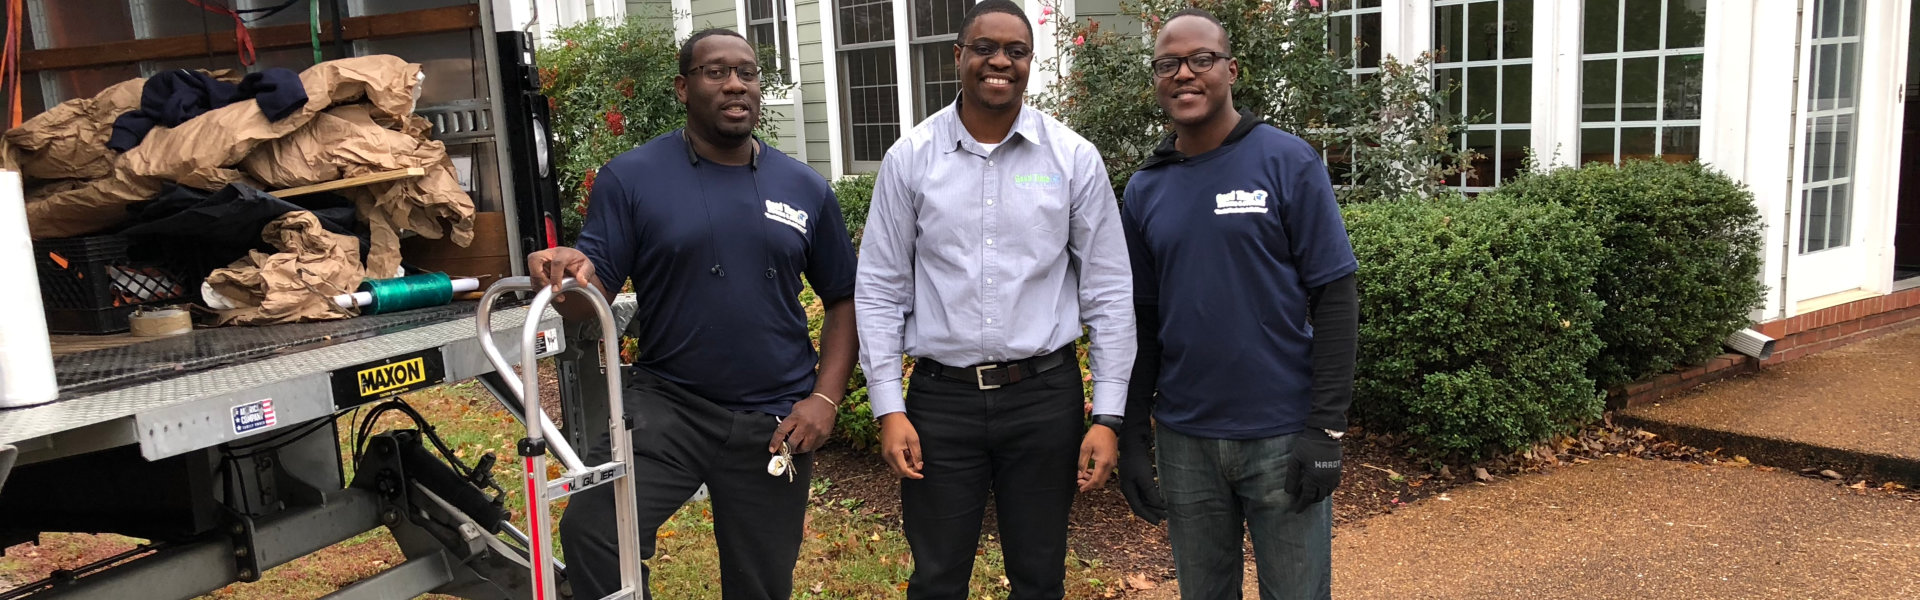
{"type": "Point", "coordinates": [1865, 263]}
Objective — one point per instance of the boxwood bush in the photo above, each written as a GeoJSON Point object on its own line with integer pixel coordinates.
{"type": "Point", "coordinates": [1476, 321]}
{"type": "Point", "coordinates": [1682, 264]}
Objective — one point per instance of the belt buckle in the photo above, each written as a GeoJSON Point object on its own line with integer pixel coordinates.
{"type": "Point", "coordinates": [980, 377]}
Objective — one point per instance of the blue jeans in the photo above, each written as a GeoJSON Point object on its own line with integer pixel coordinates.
{"type": "Point", "coordinates": [1214, 488]}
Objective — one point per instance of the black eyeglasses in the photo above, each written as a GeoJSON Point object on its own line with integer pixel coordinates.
{"type": "Point", "coordinates": [748, 73]}
{"type": "Point", "coordinates": [986, 49]}
{"type": "Point", "coordinates": [1200, 62]}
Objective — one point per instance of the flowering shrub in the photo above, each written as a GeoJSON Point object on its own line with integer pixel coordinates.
{"type": "Point", "coordinates": [610, 85]}
{"type": "Point", "coordinates": [1386, 134]}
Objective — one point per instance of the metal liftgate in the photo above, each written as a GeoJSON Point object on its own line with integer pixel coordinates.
{"type": "Point", "coordinates": [543, 437]}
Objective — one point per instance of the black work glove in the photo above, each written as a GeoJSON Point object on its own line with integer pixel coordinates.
{"type": "Point", "coordinates": [1136, 475]}
{"type": "Point", "coordinates": [1315, 470]}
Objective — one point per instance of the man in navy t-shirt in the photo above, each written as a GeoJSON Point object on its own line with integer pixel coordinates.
{"type": "Point", "coordinates": [715, 229]}
{"type": "Point", "coordinates": [1245, 297]}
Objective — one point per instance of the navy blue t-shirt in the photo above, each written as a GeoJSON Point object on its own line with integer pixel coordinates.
{"type": "Point", "coordinates": [715, 253]}
{"type": "Point", "coordinates": [1226, 244]}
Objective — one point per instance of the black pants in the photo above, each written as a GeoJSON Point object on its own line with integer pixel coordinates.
{"type": "Point", "coordinates": [1020, 441]}
{"type": "Point", "coordinates": [681, 441]}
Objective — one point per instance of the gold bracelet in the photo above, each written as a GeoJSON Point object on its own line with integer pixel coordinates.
{"type": "Point", "coordinates": [830, 402]}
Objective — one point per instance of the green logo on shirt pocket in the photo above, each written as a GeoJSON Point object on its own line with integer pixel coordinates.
{"type": "Point", "coordinates": [1038, 181]}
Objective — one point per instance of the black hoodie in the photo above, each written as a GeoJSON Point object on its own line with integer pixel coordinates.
{"type": "Point", "coordinates": [1333, 309]}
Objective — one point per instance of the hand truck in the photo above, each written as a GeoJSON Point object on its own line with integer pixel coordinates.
{"type": "Point", "coordinates": [543, 437]}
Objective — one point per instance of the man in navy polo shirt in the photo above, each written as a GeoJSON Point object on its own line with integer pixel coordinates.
{"type": "Point", "coordinates": [715, 229]}
{"type": "Point", "coordinates": [1244, 292]}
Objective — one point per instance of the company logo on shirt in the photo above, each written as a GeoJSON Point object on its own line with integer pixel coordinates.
{"type": "Point", "coordinates": [1240, 201]}
{"type": "Point", "coordinates": [787, 215]}
{"type": "Point", "coordinates": [1038, 181]}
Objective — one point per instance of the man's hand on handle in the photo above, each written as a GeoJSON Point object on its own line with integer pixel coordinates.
{"type": "Point", "coordinates": [900, 445]}
{"type": "Point", "coordinates": [548, 267]}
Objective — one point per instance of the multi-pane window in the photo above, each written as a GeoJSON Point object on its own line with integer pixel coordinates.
{"type": "Point", "coordinates": [936, 26]}
{"type": "Point", "coordinates": [767, 31]}
{"type": "Point", "coordinates": [1831, 109]}
{"type": "Point", "coordinates": [868, 79]}
{"type": "Point", "coordinates": [1485, 65]}
{"type": "Point", "coordinates": [1354, 32]}
{"type": "Point", "coordinates": [1641, 77]}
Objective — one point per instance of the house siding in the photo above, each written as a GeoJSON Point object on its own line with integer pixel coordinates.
{"type": "Point", "coordinates": [813, 88]}
{"type": "Point", "coordinates": [658, 13]}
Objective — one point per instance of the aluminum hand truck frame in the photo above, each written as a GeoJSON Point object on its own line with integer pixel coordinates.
{"type": "Point", "coordinates": [543, 437]}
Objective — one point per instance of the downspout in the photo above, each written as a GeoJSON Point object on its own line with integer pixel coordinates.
{"type": "Point", "coordinates": [1793, 143]}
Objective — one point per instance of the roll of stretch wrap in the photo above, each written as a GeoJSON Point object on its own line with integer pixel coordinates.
{"type": "Point", "coordinates": [378, 296]}
{"type": "Point", "coordinates": [26, 354]}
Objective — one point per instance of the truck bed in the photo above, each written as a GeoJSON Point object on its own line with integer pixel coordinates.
{"type": "Point", "coordinates": [212, 386]}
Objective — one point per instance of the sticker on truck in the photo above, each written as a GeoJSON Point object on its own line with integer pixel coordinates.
{"type": "Point", "coordinates": [253, 416]}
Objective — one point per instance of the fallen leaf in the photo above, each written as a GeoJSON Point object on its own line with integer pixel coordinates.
{"type": "Point", "coordinates": [818, 586]}
{"type": "Point", "coordinates": [1480, 473]}
{"type": "Point", "coordinates": [1140, 581]}
{"type": "Point", "coordinates": [1859, 485]}
{"type": "Point", "coordinates": [1830, 474]}
{"type": "Point", "coordinates": [664, 534]}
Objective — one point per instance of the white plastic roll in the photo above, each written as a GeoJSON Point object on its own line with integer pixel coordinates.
{"type": "Point", "coordinates": [26, 354]}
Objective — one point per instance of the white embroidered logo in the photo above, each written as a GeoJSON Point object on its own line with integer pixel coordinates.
{"type": "Point", "coordinates": [1240, 201]}
{"type": "Point", "coordinates": [790, 216]}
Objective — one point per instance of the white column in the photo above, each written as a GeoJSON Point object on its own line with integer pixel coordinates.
{"type": "Point", "coordinates": [682, 19]}
{"type": "Point", "coordinates": [1556, 82]}
{"type": "Point", "coordinates": [1406, 29]}
{"type": "Point", "coordinates": [1039, 77]}
{"type": "Point", "coordinates": [1771, 135]}
{"type": "Point", "coordinates": [830, 61]}
{"type": "Point", "coordinates": [903, 63]}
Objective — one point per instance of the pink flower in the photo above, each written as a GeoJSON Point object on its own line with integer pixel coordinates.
{"type": "Point", "coordinates": [1043, 20]}
{"type": "Point", "coordinates": [1046, 10]}
{"type": "Point", "coordinates": [1079, 39]}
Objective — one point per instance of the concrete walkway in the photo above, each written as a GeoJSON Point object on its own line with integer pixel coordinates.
{"type": "Point", "coordinates": [1854, 410]}
{"type": "Point", "coordinates": [1637, 529]}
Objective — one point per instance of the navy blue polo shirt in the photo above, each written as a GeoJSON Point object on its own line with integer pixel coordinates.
{"type": "Point", "coordinates": [715, 253]}
{"type": "Point", "coordinates": [1226, 244]}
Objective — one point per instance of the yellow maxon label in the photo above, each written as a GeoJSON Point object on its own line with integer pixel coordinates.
{"type": "Point", "coordinates": [394, 376]}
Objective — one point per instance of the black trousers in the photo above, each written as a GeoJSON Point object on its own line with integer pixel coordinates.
{"type": "Point", "coordinates": [681, 441]}
{"type": "Point", "coordinates": [1020, 441]}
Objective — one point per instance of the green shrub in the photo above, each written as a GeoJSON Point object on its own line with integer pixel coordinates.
{"type": "Point", "coordinates": [856, 195]}
{"type": "Point", "coordinates": [1682, 264]}
{"type": "Point", "coordinates": [1386, 134]}
{"type": "Point", "coordinates": [610, 85]}
{"type": "Point", "coordinates": [1476, 321]}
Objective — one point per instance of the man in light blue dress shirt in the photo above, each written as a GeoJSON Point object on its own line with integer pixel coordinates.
{"type": "Point", "coordinates": [993, 237]}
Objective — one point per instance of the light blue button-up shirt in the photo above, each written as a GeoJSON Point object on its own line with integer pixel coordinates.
{"type": "Point", "coordinates": [974, 257]}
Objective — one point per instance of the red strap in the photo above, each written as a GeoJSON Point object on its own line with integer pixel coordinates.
{"type": "Point", "coordinates": [241, 38]}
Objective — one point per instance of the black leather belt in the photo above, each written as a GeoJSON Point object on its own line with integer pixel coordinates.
{"type": "Point", "coordinates": [992, 375]}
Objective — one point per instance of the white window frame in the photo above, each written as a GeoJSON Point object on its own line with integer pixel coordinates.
{"type": "Point", "coordinates": [1659, 123]}
{"type": "Point", "coordinates": [1354, 13]}
{"type": "Point", "coordinates": [1463, 65]}
{"type": "Point", "coordinates": [786, 47]}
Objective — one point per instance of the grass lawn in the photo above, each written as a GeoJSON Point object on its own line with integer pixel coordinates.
{"type": "Point", "coordinates": [849, 552]}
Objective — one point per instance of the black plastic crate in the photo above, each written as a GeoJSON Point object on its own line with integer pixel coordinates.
{"type": "Point", "coordinates": [90, 284]}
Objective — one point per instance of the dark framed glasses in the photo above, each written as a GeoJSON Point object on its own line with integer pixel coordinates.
{"type": "Point", "coordinates": [1199, 62]}
{"type": "Point", "coordinates": [748, 73]}
{"type": "Point", "coordinates": [986, 49]}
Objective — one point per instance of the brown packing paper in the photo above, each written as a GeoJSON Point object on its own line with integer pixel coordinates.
{"type": "Point", "coordinates": [199, 152]}
{"type": "Point", "coordinates": [69, 141]}
{"type": "Point", "coordinates": [349, 141]}
{"type": "Point", "coordinates": [296, 284]}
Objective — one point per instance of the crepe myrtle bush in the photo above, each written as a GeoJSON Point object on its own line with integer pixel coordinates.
{"type": "Point", "coordinates": [1477, 321]}
{"type": "Point", "coordinates": [1681, 266]}
{"type": "Point", "coordinates": [610, 86]}
{"type": "Point", "coordinates": [1385, 134]}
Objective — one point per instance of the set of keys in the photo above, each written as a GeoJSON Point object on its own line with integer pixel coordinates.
{"type": "Point", "coordinates": [782, 463]}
